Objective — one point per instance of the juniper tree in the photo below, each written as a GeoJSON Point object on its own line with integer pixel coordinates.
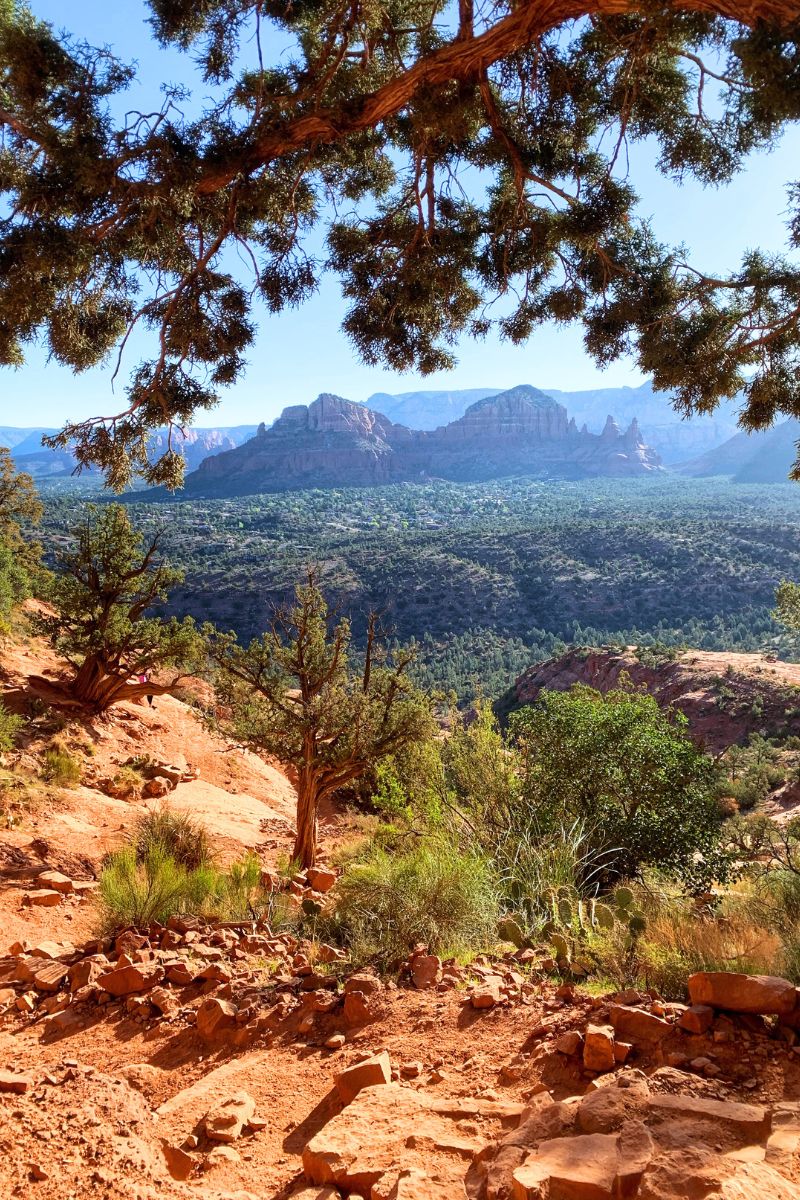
{"type": "Point", "coordinates": [102, 595]}
{"type": "Point", "coordinates": [452, 155]}
{"type": "Point", "coordinates": [295, 693]}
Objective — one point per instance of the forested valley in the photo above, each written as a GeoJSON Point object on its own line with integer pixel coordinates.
{"type": "Point", "coordinates": [489, 577]}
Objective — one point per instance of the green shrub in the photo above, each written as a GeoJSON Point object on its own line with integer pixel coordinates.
{"type": "Point", "coordinates": [244, 898]}
{"type": "Point", "coordinates": [10, 725]}
{"type": "Point", "coordinates": [60, 768]}
{"type": "Point", "coordinates": [185, 839]}
{"type": "Point", "coordinates": [139, 891]}
{"type": "Point", "coordinates": [433, 893]}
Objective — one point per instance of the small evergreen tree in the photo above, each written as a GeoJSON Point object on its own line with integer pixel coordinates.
{"type": "Point", "coordinates": [296, 694]}
{"type": "Point", "coordinates": [102, 594]}
{"type": "Point", "coordinates": [20, 512]}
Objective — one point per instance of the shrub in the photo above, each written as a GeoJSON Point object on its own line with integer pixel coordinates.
{"type": "Point", "coordinates": [60, 768]}
{"type": "Point", "coordinates": [139, 891]}
{"type": "Point", "coordinates": [625, 768]}
{"type": "Point", "coordinates": [10, 725]}
{"type": "Point", "coordinates": [244, 898]}
{"type": "Point", "coordinates": [434, 894]}
{"type": "Point", "coordinates": [185, 839]}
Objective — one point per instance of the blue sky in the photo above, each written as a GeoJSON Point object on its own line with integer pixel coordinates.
{"type": "Point", "coordinates": [301, 353]}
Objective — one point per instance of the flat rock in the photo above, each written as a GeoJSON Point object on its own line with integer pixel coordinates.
{"type": "Point", "coordinates": [608, 1108]}
{"type": "Point", "coordinates": [43, 898]}
{"type": "Point", "coordinates": [751, 1121]}
{"type": "Point", "coordinates": [392, 1134]}
{"type": "Point", "coordinates": [371, 1072]}
{"type": "Point", "coordinates": [57, 881]}
{"type": "Point", "coordinates": [638, 1027]}
{"type": "Point", "coordinates": [592, 1166]}
{"type": "Point", "coordinates": [743, 993]}
{"type": "Point", "coordinates": [128, 980]}
{"type": "Point", "coordinates": [226, 1121]}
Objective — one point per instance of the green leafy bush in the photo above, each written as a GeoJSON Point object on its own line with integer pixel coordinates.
{"type": "Point", "coordinates": [434, 894]}
{"type": "Point", "coordinates": [625, 768]}
{"type": "Point", "coordinates": [60, 768]}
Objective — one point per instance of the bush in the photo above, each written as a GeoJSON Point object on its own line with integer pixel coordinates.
{"type": "Point", "coordinates": [140, 891]}
{"type": "Point", "coordinates": [433, 893]}
{"type": "Point", "coordinates": [10, 725]}
{"type": "Point", "coordinates": [624, 768]}
{"type": "Point", "coordinates": [60, 768]}
{"type": "Point", "coordinates": [185, 839]}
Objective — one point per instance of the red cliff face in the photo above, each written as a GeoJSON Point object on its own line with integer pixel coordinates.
{"type": "Point", "coordinates": [725, 697]}
{"type": "Point", "coordinates": [336, 443]}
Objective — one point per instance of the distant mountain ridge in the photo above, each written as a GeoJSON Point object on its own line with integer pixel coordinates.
{"type": "Point", "coordinates": [765, 456]}
{"type": "Point", "coordinates": [674, 438]}
{"type": "Point", "coordinates": [194, 444]}
{"type": "Point", "coordinates": [335, 442]}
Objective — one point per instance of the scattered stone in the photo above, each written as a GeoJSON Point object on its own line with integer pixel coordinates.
{"type": "Point", "coordinates": [598, 1048]}
{"type": "Point", "coordinates": [697, 1019]}
{"type": "Point", "coordinates": [368, 1073]}
{"type": "Point", "coordinates": [639, 1027]}
{"type": "Point", "coordinates": [335, 1041]}
{"type": "Point", "coordinates": [179, 1164]}
{"type": "Point", "coordinates": [13, 1084]}
{"type": "Point", "coordinates": [486, 994]}
{"type": "Point", "coordinates": [320, 879]}
{"type": "Point", "coordinates": [570, 1043]}
{"type": "Point", "coordinates": [426, 970]}
{"type": "Point", "coordinates": [127, 980]}
{"type": "Point", "coordinates": [50, 976]}
{"type": "Point", "coordinates": [226, 1121]}
{"type": "Point", "coordinates": [214, 1016]}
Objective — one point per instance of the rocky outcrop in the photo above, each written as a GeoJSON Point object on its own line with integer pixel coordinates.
{"type": "Point", "coordinates": [336, 443]}
{"type": "Point", "coordinates": [725, 697]}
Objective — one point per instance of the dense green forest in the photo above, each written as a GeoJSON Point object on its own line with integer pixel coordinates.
{"type": "Point", "coordinates": [489, 577]}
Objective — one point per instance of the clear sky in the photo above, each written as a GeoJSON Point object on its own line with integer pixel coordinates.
{"type": "Point", "coordinates": [301, 353]}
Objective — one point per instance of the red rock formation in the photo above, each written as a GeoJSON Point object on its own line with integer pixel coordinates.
{"type": "Point", "coordinates": [336, 443]}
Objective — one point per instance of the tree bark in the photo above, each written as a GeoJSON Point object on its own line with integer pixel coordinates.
{"type": "Point", "coordinates": [97, 689]}
{"type": "Point", "coordinates": [305, 845]}
{"type": "Point", "coordinates": [461, 60]}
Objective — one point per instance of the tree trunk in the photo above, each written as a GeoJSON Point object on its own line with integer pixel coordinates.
{"type": "Point", "coordinates": [305, 845]}
{"type": "Point", "coordinates": [95, 688]}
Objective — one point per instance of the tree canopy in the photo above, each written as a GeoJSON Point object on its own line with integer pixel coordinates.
{"type": "Point", "coordinates": [102, 623]}
{"type": "Point", "coordinates": [451, 155]}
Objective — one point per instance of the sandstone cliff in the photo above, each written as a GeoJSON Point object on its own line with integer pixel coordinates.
{"type": "Point", "coordinates": [336, 443]}
{"type": "Point", "coordinates": [724, 696]}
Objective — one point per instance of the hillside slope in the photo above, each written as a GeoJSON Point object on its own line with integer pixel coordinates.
{"type": "Point", "coordinates": [725, 697]}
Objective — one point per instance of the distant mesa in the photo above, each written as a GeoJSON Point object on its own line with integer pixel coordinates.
{"type": "Point", "coordinates": [335, 442]}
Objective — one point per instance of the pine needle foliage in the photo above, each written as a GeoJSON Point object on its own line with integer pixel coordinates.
{"type": "Point", "coordinates": [445, 160]}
